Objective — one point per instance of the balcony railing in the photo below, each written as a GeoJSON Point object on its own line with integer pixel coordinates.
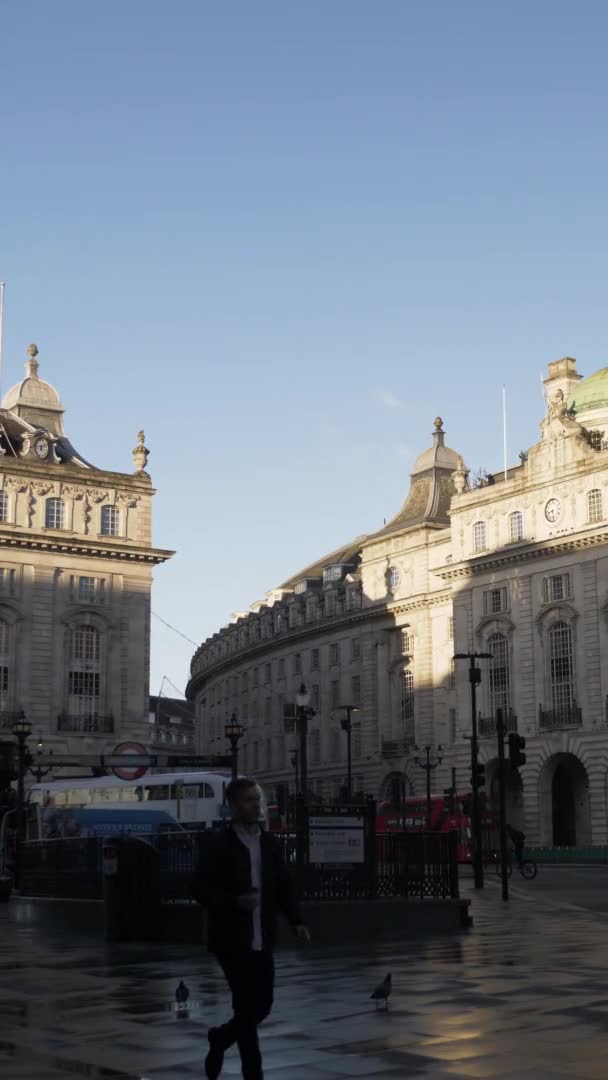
{"type": "Point", "coordinates": [486, 725]}
{"type": "Point", "coordinates": [564, 717]}
{"type": "Point", "coordinates": [85, 725]}
{"type": "Point", "coordinates": [397, 747]}
{"type": "Point", "coordinates": [7, 719]}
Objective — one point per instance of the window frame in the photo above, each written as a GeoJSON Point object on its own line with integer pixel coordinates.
{"type": "Point", "coordinates": [52, 504]}
{"type": "Point", "coordinates": [110, 510]}
{"type": "Point", "coordinates": [480, 536]}
{"type": "Point", "coordinates": [594, 512]}
{"type": "Point", "coordinates": [516, 535]}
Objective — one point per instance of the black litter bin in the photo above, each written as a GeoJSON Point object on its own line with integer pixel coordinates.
{"type": "Point", "coordinates": [131, 889]}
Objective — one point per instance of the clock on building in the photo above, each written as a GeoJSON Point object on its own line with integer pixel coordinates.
{"type": "Point", "coordinates": [553, 510]}
{"type": "Point", "coordinates": [41, 447]}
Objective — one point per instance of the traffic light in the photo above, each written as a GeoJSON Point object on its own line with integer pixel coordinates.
{"type": "Point", "coordinates": [478, 778]}
{"type": "Point", "coordinates": [516, 746]}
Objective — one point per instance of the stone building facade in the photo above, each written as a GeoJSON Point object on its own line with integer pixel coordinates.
{"type": "Point", "coordinates": [513, 564]}
{"type": "Point", "coordinates": [76, 560]}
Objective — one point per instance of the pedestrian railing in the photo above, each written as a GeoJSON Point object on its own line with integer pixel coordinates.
{"type": "Point", "coordinates": [64, 868]}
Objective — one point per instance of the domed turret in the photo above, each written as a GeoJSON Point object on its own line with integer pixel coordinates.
{"type": "Point", "coordinates": [35, 400]}
{"type": "Point", "coordinates": [590, 401]}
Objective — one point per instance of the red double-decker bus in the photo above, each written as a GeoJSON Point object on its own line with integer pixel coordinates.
{"type": "Point", "coordinates": [448, 813]}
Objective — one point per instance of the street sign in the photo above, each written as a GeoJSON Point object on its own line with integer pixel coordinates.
{"type": "Point", "coordinates": [125, 749]}
{"type": "Point", "coordinates": [336, 835]}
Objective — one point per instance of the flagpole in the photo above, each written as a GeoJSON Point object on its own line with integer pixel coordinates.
{"type": "Point", "coordinates": [504, 427]}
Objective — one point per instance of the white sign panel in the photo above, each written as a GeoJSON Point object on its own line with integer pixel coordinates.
{"type": "Point", "coordinates": [335, 845]}
{"type": "Point", "coordinates": [335, 822]}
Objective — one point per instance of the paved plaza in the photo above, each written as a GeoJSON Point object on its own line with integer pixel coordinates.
{"type": "Point", "coordinates": [523, 995]}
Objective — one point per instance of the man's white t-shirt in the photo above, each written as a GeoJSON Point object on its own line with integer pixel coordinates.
{"type": "Point", "coordinates": [251, 840]}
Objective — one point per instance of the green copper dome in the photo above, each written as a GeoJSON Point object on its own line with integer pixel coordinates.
{"type": "Point", "coordinates": [591, 393]}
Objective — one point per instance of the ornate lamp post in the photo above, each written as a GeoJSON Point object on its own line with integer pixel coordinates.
{"type": "Point", "coordinates": [36, 769]}
{"type": "Point", "coordinates": [302, 717]}
{"type": "Point", "coordinates": [234, 733]}
{"type": "Point", "coordinates": [22, 729]}
{"type": "Point", "coordinates": [428, 766]}
{"type": "Point", "coordinates": [347, 726]}
{"type": "Point", "coordinates": [474, 680]}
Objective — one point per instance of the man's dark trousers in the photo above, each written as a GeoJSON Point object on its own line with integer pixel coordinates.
{"type": "Point", "coordinates": [250, 976]}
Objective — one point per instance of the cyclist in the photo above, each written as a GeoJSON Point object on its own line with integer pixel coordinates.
{"type": "Point", "coordinates": [518, 840]}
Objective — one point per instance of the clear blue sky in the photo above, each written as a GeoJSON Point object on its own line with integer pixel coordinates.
{"type": "Point", "coordinates": [282, 237]}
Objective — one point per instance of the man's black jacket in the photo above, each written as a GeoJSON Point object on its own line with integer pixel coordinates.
{"type": "Point", "coordinates": [223, 874]}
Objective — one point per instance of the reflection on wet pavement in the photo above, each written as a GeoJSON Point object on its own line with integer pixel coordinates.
{"type": "Point", "coordinates": [521, 995]}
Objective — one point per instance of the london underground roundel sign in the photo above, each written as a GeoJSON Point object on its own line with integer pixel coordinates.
{"type": "Point", "coordinates": [129, 749]}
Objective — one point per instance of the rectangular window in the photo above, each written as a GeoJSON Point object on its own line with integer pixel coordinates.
{"type": "Point", "coordinates": [86, 588]}
{"type": "Point", "coordinates": [315, 697]}
{"type": "Point", "coordinates": [256, 755]}
{"type": "Point", "coordinates": [267, 710]}
{"type": "Point", "coordinates": [110, 521]}
{"type": "Point", "coordinates": [244, 682]}
{"type": "Point", "coordinates": [330, 604]}
{"type": "Point", "coordinates": [355, 690]}
{"type": "Point", "coordinates": [334, 655]}
{"type": "Point", "coordinates": [335, 694]}
{"type": "Point", "coordinates": [453, 723]}
{"type": "Point", "coordinates": [297, 664]}
{"type": "Point", "coordinates": [268, 755]}
{"type": "Point", "coordinates": [407, 642]}
{"type": "Point", "coordinates": [281, 669]}
{"type": "Point", "coordinates": [335, 745]}
{"type": "Point", "coordinates": [315, 746]}
{"type": "Point", "coordinates": [452, 675]}
{"type": "Point", "coordinates": [54, 514]}
{"type": "Point", "coordinates": [495, 601]}
{"type": "Point", "coordinates": [267, 675]}
{"type": "Point", "coordinates": [556, 587]}
{"type": "Point", "coordinates": [254, 677]}
{"type": "Point", "coordinates": [281, 752]}
{"type": "Point", "coordinates": [479, 536]}
{"type": "Point", "coordinates": [314, 660]}
{"type": "Point", "coordinates": [3, 688]}
{"type": "Point", "coordinates": [355, 649]}
{"type": "Point", "coordinates": [451, 628]}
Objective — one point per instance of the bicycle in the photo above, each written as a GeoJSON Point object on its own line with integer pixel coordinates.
{"type": "Point", "coordinates": [527, 867]}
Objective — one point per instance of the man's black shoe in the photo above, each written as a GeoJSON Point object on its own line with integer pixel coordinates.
{"type": "Point", "coordinates": [215, 1057]}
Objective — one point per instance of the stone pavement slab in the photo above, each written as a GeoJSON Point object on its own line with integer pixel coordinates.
{"type": "Point", "coordinates": [523, 994]}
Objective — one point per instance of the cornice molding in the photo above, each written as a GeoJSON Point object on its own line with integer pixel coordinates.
{"type": "Point", "coordinates": [496, 561]}
{"type": "Point", "coordinates": [75, 545]}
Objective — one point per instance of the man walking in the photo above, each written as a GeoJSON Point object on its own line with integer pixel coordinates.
{"type": "Point", "coordinates": [242, 881]}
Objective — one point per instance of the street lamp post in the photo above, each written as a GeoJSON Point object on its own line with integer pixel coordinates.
{"type": "Point", "coordinates": [38, 772]}
{"type": "Point", "coordinates": [294, 763]}
{"type": "Point", "coordinates": [474, 680]}
{"type": "Point", "coordinates": [302, 715]}
{"type": "Point", "coordinates": [22, 729]}
{"type": "Point", "coordinates": [234, 733]}
{"type": "Point", "coordinates": [347, 726]}
{"type": "Point", "coordinates": [428, 766]}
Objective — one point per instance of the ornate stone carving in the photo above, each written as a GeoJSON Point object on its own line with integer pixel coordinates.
{"type": "Point", "coordinates": [140, 453]}
{"type": "Point", "coordinates": [127, 499]}
{"type": "Point", "coordinates": [461, 477]}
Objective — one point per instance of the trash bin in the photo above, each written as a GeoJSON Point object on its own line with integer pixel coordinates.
{"type": "Point", "coordinates": [131, 889]}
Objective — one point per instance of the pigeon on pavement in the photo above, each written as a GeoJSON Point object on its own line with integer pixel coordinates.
{"type": "Point", "coordinates": [383, 991]}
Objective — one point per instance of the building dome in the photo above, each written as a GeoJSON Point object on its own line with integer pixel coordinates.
{"type": "Point", "coordinates": [591, 395]}
{"type": "Point", "coordinates": [34, 399]}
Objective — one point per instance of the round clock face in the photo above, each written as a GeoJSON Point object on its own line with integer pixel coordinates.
{"type": "Point", "coordinates": [553, 510]}
{"type": "Point", "coordinates": [41, 447]}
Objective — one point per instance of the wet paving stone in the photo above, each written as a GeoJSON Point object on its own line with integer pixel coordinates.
{"type": "Point", "coordinates": [523, 994]}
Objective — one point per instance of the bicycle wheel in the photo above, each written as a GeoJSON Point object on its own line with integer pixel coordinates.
{"type": "Point", "coordinates": [528, 870]}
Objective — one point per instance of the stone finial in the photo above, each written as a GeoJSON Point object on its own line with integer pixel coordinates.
{"type": "Point", "coordinates": [31, 365]}
{"type": "Point", "coordinates": [438, 422]}
{"type": "Point", "coordinates": [461, 477]}
{"type": "Point", "coordinates": [140, 453]}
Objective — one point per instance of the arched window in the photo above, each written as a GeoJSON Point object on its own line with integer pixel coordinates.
{"type": "Point", "coordinates": [84, 676]}
{"type": "Point", "coordinates": [500, 675]}
{"type": "Point", "coordinates": [4, 665]}
{"type": "Point", "coordinates": [480, 536]}
{"type": "Point", "coordinates": [3, 506]}
{"type": "Point", "coordinates": [407, 707]}
{"type": "Point", "coordinates": [594, 505]}
{"type": "Point", "coordinates": [54, 514]}
{"type": "Point", "coordinates": [516, 526]}
{"type": "Point", "coordinates": [110, 521]}
{"type": "Point", "coordinates": [562, 668]}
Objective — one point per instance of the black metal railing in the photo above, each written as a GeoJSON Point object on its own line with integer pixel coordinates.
{"type": "Point", "coordinates": [407, 865]}
{"type": "Point", "coordinates": [63, 868]}
{"type": "Point", "coordinates": [397, 747]}
{"type": "Point", "coordinates": [85, 725]}
{"type": "Point", "coordinates": [563, 717]}
{"type": "Point", "coordinates": [486, 725]}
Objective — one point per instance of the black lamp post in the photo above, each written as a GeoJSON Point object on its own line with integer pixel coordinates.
{"type": "Point", "coordinates": [302, 716]}
{"type": "Point", "coordinates": [428, 767]}
{"type": "Point", "coordinates": [347, 725]}
{"type": "Point", "coordinates": [474, 680]}
{"type": "Point", "coordinates": [22, 729]}
{"type": "Point", "coordinates": [295, 754]}
{"type": "Point", "coordinates": [234, 733]}
{"type": "Point", "coordinates": [36, 769]}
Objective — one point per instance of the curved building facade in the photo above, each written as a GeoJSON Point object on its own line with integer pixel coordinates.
{"type": "Point", "coordinates": [515, 565]}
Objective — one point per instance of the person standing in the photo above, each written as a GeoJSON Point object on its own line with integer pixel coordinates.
{"type": "Point", "coordinates": [243, 883]}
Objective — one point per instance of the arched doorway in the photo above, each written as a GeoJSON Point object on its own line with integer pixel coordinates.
{"type": "Point", "coordinates": [565, 807]}
{"type": "Point", "coordinates": [395, 787]}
